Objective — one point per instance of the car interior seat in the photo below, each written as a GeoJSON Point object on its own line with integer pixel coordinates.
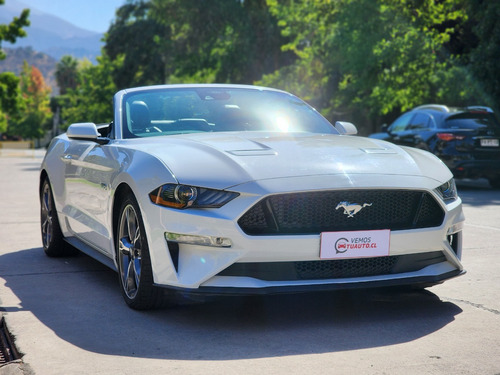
{"type": "Point", "coordinates": [139, 114]}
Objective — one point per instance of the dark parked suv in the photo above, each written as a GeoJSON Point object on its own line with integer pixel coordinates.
{"type": "Point", "coordinates": [467, 139]}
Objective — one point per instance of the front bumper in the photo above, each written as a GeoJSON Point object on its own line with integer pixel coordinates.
{"type": "Point", "coordinates": [203, 269]}
{"type": "Point", "coordinates": [425, 280]}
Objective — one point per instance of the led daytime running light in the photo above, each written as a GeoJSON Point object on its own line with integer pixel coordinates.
{"type": "Point", "coordinates": [192, 239]}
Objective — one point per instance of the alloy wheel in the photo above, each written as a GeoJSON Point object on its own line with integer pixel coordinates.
{"type": "Point", "coordinates": [47, 216]}
{"type": "Point", "coordinates": [130, 251]}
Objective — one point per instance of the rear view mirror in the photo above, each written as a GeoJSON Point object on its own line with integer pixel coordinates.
{"type": "Point", "coordinates": [346, 128]}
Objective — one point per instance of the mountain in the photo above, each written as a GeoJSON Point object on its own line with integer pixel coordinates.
{"type": "Point", "coordinates": [45, 63]}
{"type": "Point", "coordinates": [52, 35]}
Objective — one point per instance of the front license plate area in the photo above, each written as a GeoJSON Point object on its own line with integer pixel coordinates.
{"type": "Point", "coordinates": [490, 143]}
{"type": "Point", "coordinates": [355, 244]}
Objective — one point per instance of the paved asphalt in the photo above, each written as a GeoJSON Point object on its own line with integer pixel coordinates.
{"type": "Point", "coordinates": [68, 317]}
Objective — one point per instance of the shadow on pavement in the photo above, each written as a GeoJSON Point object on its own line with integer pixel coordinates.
{"type": "Point", "coordinates": [79, 300]}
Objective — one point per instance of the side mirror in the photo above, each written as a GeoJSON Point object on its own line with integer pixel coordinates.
{"type": "Point", "coordinates": [346, 128]}
{"type": "Point", "coordinates": [85, 131]}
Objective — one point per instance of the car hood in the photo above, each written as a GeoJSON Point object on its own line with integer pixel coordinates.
{"type": "Point", "coordinates": [224, 160]}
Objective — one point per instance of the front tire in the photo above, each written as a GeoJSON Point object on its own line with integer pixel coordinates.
{"type": "Point", "coordinates": [134, 263]}
{"type": "Point", "coordinates": [52, 238]}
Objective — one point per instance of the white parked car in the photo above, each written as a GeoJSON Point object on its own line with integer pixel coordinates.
{"type": "Point", "coordinates": [230, 189]}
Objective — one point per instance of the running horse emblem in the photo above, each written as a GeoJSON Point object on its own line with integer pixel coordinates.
{"type": "Point", "coordinates": [351, 209]}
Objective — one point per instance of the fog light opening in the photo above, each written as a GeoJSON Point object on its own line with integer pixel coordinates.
{"type": "Point", "coordinates": [173, 248]}
{"type": "Point", "coordinates": [453, 241]}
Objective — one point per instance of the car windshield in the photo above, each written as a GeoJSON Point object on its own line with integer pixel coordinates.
{"type": "Point", "coordinates": [472, 121]}
{"type": "Point", "coordinates": [213, 109]}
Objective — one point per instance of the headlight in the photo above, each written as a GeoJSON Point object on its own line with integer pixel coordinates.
{"type": "Point", "coordinates": [448, 190]}
{"type": "Point", "coordinates": [183, 196]}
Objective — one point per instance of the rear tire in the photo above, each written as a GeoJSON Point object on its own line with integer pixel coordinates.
{"type": "Point", "coordinates": [134, 263]}
{"type": "Point", "coordinates": [52, 238]}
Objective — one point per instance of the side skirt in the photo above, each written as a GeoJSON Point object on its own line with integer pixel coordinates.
{"type": "Point", "coordinates": [91, 252]}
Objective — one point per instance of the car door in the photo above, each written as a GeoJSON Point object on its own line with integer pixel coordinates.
{"type": "Point", "coordinates": [415, 132]}
{"type": "Point", "coordinates": [398, 130]}
{"type": "Point", "coordinates": [89, 168]}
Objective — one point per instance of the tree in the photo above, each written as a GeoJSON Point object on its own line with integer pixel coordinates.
{"type": "Point", "coordinates": [8, 98]}
{"type": "Point", "coordinates": [194, 41]}
{"type": "Point", "coordinates": [35, 97]}
{"type": "Point", "coordinates": [91, 100]}
{"type": "Point", "coordinates": [67, 74]}
{"type": "Point", "coordinates": [8, 81]}
{"type": "Point", "coordinates": [366, 58]}
{"type": "Point", "coordinates": [484, 57]}
{"type": "Point", "coordinates": [135, 37]}
{"type": "Point", "coordinates": [220, 40]}
{"type": "Point", "coordinates": [359, 60]}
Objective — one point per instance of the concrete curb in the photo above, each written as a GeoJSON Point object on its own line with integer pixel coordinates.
{"type": "Point", "coordinates": [16, 367]}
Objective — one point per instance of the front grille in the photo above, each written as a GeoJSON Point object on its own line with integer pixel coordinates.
{"type": "Point", "coordinates": [334, 269]}
{"type": "Point", "coordinates": [330, 269]}
{"type": "Point", "coordinates": [316, 212]}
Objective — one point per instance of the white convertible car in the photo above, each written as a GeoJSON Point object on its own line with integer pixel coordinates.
{"type": "Point", "coordinates": [230, 189]}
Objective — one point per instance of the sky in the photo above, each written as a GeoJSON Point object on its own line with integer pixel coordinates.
{"type": "Point", "coordinates": [93, 15]}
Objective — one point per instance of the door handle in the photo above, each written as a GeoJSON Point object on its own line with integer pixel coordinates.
{"type": "Point", "coordinates": [67, 158]}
